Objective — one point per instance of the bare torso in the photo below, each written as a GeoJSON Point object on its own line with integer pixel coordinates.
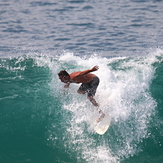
{"type": "Point", "coordinates": [75, 77]}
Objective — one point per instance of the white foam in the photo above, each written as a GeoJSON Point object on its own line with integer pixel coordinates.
{"type": "Point", "coordinates": [123, 94]}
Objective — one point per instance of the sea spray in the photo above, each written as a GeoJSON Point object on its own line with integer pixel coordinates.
{"type": "Point", "coordinates": [68, 117]}
{"type": "Point", "coordinates": [123, 94]}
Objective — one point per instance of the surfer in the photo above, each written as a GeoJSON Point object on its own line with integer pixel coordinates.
{"type": "Point", "coordinates": [89, 82]}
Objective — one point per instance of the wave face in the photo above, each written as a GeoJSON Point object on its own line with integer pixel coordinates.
{"type": "Point", "coordinates": [43, 122]}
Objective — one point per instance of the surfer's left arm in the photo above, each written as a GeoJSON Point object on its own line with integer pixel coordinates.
{"type": "Point", "coordinates": [66, 85]}
{"type": "Point", "coordinates": [95, 68]}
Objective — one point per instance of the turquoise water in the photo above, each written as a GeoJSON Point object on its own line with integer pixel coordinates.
{"type": "Point", "coordinates": [42, 122]}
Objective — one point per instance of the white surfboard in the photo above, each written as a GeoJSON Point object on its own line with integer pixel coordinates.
{"type": "Point", "coordinates": [102, 126]}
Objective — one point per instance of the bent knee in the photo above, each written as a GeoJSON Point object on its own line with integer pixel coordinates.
{"type": "Point", "coordinates": [80, 92]}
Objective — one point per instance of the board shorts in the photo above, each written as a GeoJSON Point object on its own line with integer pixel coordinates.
{"type": "Point", "coordinates": [90, 88]}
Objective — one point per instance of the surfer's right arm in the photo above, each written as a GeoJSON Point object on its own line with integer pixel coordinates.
{"type": "Point", "coordinates": [66, 85]}
{"type": "Point", "coordinates": [95, 68]}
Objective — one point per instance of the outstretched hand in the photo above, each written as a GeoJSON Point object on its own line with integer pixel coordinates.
{"type": "Point", "coordinates": [95, 68]}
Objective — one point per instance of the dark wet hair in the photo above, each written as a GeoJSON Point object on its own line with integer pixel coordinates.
{"type": "Point", "coordinates": [63, 73]}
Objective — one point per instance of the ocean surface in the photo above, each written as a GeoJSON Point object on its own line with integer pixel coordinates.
{"type": "Point", "coordinates": [41, 121]}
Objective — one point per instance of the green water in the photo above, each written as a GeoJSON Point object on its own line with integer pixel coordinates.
{"type": "Point", "coordinates": [42, 122]}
